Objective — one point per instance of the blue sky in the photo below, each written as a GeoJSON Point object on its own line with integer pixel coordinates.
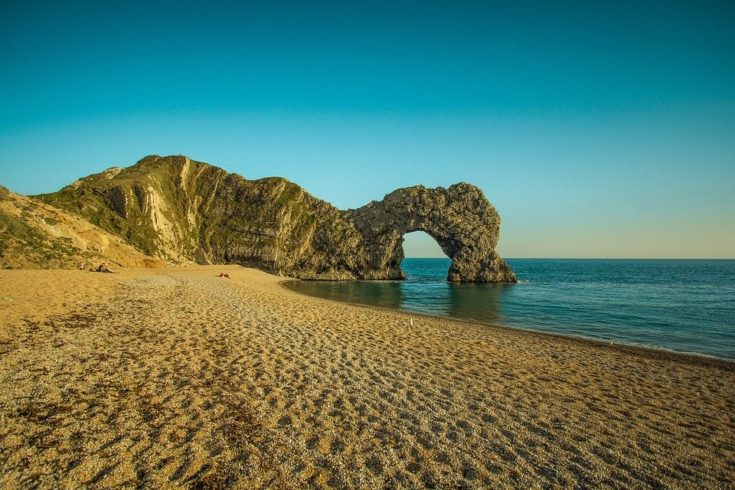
{"type": "Point", "coordinates": [596, 130]}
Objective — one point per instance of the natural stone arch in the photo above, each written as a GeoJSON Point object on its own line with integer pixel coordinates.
{"type": "Point", "coordinates": [180, 210]}
{"type": "Point", "coordinates": [460, 219]}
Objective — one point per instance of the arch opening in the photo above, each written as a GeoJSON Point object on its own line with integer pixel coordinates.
{"type": "Point", "coordinates": [421, 254]}
{"type": "Point", "coordinates": [420, 245]}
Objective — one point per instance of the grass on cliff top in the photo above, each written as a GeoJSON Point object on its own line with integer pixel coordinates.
{"type": "Point", "coordinates": [22, 243]}
{"type": "Point", "coordinates": [270, 196]}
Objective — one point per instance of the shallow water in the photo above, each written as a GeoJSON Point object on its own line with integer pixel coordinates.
{"type": "Point", "coordinates": [681, 305]}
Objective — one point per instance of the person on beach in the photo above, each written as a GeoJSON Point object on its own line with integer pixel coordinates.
{"type": "Point", "coordinates": [103, 268]}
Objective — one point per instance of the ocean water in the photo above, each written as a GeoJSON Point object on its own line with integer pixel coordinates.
{"type": "Point", "coordinates": [679, 305]}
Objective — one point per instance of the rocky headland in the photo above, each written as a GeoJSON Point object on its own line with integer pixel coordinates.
{"type": "Point", "coordinates": [182, 211]}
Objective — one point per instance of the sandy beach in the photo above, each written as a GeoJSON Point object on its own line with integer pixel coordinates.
{"type": "Point", "coordinates": [177, 377]}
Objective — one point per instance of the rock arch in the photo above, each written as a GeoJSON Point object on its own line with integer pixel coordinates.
{"type": "Point", "coordinates": [180, 210]}
{"type": "Point", "coordinates": [460, 219]}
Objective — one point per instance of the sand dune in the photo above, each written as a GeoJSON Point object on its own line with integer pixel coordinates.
{"type": "Point", "coordinates": [178, 377]}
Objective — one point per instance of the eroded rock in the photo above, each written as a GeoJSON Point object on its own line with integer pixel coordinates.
{"type": "Point", "coordinates": [181, 210]}
{"type": "Point", "coordinates": [460, 219]}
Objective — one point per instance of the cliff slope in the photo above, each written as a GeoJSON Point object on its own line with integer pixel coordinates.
{"type": "Point", "coordinates": [181, 210]}
{"type": "Point", "coordinates": [36, 235]}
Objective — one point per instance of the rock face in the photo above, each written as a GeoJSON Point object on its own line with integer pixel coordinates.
{"type": "Point", "coordinates": [460, 219]}
{"type": "Point", "coordinates": [180, 211]}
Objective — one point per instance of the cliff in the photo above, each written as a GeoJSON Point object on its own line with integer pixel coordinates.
{"type": "Point", "coordinates": [181, 210]}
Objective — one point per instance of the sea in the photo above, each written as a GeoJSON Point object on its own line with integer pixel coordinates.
{"type": "Point", "coordinates": [677, 305]}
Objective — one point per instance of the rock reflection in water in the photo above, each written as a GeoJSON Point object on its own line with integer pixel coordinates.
{"type": "Point", "coordinates": [386, 294]}
{"type": "Point", "coordinates": [477, 301]}
{"type": "Point", "coordinates": [425, 290]}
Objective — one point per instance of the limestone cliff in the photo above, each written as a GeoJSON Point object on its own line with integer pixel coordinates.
{"type": "Point", "coordinates": [180, 210]}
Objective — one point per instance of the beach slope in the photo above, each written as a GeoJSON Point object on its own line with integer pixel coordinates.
{"type": "Point", "coordinates": [180, 377]}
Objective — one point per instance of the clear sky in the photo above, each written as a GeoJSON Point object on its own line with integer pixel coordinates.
{"type": "Point", "coordinates": [597, 129]}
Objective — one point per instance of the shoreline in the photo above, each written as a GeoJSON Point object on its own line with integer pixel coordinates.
{"type": "Point", "coordinates": [179, 377]}
{"type": "Point", "coordinates": [692, 357]}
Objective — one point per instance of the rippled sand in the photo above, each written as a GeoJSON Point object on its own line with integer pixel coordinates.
{"type": "Point", "coordinates": [178, 377]}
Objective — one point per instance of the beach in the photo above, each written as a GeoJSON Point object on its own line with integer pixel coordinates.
{"type": "Point", "coordinates": [179, 377]}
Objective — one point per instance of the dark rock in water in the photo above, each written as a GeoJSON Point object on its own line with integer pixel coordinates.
{"type": "Point", "coordinates": [181, 210]}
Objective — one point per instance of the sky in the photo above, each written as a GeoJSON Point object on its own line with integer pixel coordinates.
{"type": "Point", "coordinates": [596, 129]}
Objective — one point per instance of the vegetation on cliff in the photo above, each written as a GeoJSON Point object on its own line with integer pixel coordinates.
{"type": "Point", "coordinates": [36, 235]}
{"type": "Point", "coordinates": [180, 210]}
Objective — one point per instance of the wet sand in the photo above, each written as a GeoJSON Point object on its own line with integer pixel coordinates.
{"type": "Point", "coordinates": [176, 377]}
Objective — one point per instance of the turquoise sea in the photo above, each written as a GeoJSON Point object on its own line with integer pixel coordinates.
{"type": "Point", "coordinates": [679, 305]}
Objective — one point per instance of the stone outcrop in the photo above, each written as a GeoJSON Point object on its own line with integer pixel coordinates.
{"type": "Point", "coordinates": [180, 210]}
{"type": "Point", "coordinates": [460, 219]}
